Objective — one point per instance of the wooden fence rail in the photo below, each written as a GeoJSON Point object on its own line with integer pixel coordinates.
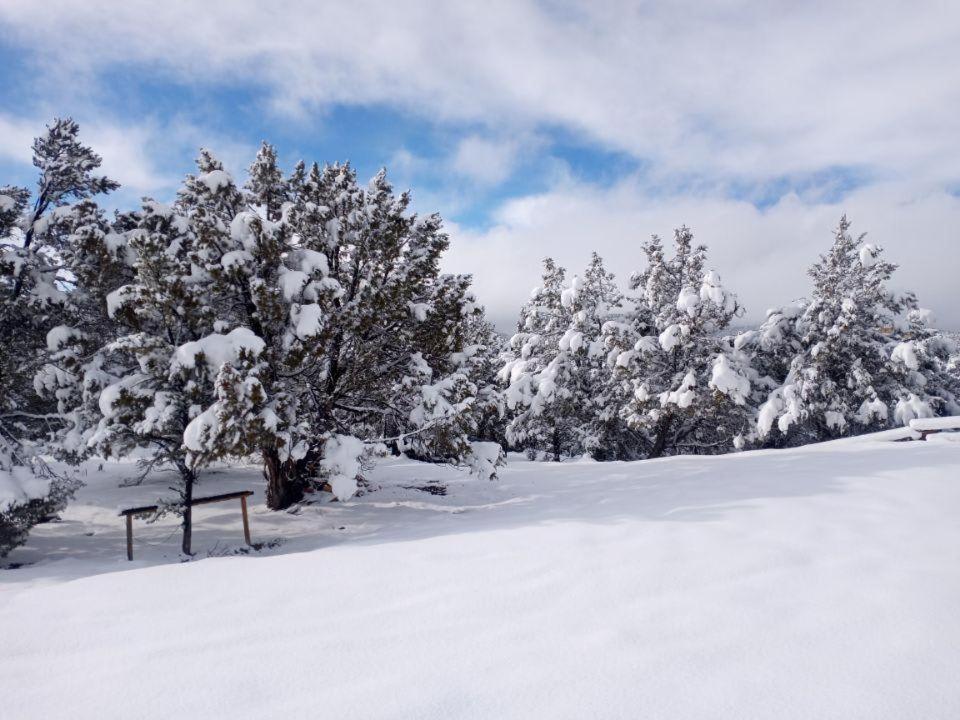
{"type": "Point", "coordinates": [242, 495]}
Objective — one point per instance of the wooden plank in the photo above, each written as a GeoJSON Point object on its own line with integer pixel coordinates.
{"type": "Point", "coordinates": [139, 510]}
{"type": "Point", "coordinates": [129, 537]}
{"type": "Point", "coordinates": [196, 501]}
{"type": "Point", "coordinates": [246, 523]}
{"type": "Point", "coordinates": [221, 498]}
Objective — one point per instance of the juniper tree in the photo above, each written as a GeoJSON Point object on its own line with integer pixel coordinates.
{"type": "Point", "coordinates": [96, 260]}
{"type": "Point", "coordinates": [593, 301]}
{"type": "Point", "coordinates": [540, 418]}
{"type": "Point", "coordinates": [362, 334]}
{"type": "Point", "coordinates": [860, 356]}
{"type": "Point", "coordinates": [687, 394]}
{"type": "Point", "coordinates": [167, 354]}
{"type": "Point", "coordinates": [266, 187]}
{"type": "Point", "coordinates": [264, 281]}
{"type": "Point", "coordinates": [389, 351]}
{"type": "Point", "coordinates": [33, 244]}
{"type": "Point", "coordinates": [482, 355]}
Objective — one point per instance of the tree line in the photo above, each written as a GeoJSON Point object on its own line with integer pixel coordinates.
{"type": "Point", "coordinates": [302, 319]}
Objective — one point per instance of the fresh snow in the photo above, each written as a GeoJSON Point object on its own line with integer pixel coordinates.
{"type": "Point", "coordinates": [117, 298]}
{"type": "Point", "coordinates": [308, 319]}
{"type": "Point", "coordinates": [61, 335]}
{"type": "Point", "coordinates": [342, 461]}
{"type": "Point", "coordinates": [937, 423]}
{"type": "Point", "coordinates": [217, 349]}
{"type": "Point", "coordinates": [19, 485]}
{"type": "Point", "coordinates": [818, 582]}
{"type": "Point", "coordinates": [215, 180]}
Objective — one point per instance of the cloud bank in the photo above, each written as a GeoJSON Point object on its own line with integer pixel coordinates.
{"type": "Point", "coordinates": [755, 123]}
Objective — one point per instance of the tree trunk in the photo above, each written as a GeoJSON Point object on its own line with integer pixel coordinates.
{"type": "Point", "coordinates": [188, 479]}
{"type": "Point", "coordinates": [556, 445]}
{"type": "Point", "coordinates": [660, 442]}
{"type": "Point", "coordinates": [284, 488]}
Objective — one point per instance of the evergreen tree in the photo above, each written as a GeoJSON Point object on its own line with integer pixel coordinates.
{"type": "Point", "coordinates": [860, 356]}
{"type": "Point", "coordinates": [593, 301]}
{"type": "Point", "coordinates": [34, 243]}
{"type": "Point", "coordinates": [266, 187]}
{"type": "Point", "coordinates": [363, 337]}
{"type": "Point", "coordinates": [168, 353]}
{"type": "Point", "coordinates": [689, 392]}
{"type": "Point", "coordinates": [482, 354]}
{"type": "Point", "coordinates": [541, 419]}
{"type": "Point", "coordinates": [96, 260]}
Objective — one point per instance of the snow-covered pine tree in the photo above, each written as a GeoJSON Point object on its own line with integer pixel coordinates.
{"type": "Point", "coordinates": [482, 355]}
{"type": "Point", "coordinates": [95, 260]}
{"type": "Point", "coordinates": [33, 246]}
{"type": "Point", "coordinates": [925, 381]}
{"type": "Point", "coordinates": [390, 351]}
{"type": "Point", "coordinates": [266, 188]}
{"type": "Point", "coordinates": [863, 357]}
{"type": "Point", "coordinates": [265, 280]}
{"type": "Point", "coordinates": [689, 394]}
{"type": "Point", "coordinates": [594, 300]}
{"type": "Point", "coordinates": [568, 409]}
{"type": "Point", "coordinates": [168, 353]}
{"type": "Point", "coordinates": [541, 420]}
{"type": "Point", "coordinates": [361, 333]}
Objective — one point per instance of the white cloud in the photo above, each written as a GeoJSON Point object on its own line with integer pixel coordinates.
{"type": "Point", "coordinates": [714, 93]}
{"type": "Point", "coordinates": [16, 139]}
{"type": "Point", "coordinates": [485, 161]}
{"type": "Point", "coordinates": [761, 254]}
{"type": "Point", "coordinates": [742, 88]}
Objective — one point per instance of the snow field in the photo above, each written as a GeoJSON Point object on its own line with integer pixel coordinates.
{"type": "Point", "coordinates": [812, 583]}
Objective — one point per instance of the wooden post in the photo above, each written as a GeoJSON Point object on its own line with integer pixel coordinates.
{"type": "Point", "coordinates": [129, 537]}
{"type": "Point", "coordinates": [246, 523]}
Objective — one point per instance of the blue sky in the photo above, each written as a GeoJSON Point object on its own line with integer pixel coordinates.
{"type": "Point", "coordinates": [538, 128]}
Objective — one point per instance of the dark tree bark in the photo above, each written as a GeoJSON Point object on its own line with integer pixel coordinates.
{"type": "Point", "coordinates": [284, 485]}
{"type": "Point", "coordinates": [660, 441]}
{"type": "Point", "coordinates": [189, 476]}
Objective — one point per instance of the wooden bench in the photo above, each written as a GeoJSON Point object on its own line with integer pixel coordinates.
{"type": "Point", "coordinates": [242, 495]}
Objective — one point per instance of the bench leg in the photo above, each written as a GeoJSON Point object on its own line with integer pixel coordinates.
{"type": "Point", "coordinates": [129, 537]}
{"type": "Point", "coordinates": [246, 523]}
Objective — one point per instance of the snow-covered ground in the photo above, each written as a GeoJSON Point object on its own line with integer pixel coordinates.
{"type": "Point", "coordinates": [814, 583]}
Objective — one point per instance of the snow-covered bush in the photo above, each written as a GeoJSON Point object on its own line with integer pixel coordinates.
{"type": "Point", "coordinates": [30, 492]}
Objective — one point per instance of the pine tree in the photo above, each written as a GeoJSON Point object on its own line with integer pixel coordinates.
{"type": "Point", "coordinates": [266, 281]}
{"type": "Point", "coordinates": [363, 337]}
{"type": "Point", "coordinates": [482, 356]}
{"type": "Point", "coordinates": [541, 419]}
{"type": "Point", "coordinates": [35, 243]}
{"type": "Point", "coordinates": [860, 356]}
{"type": "Point", "coordinates": [266, 187]}
{"type": "Point", "coordinates": [593, 301]}
{"type": "Point", "coordinates": [95, 260]}
{"type": "Point", "coordinates": [689, 394]}
{"type": "Point", "coordinates": [168, 354]}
